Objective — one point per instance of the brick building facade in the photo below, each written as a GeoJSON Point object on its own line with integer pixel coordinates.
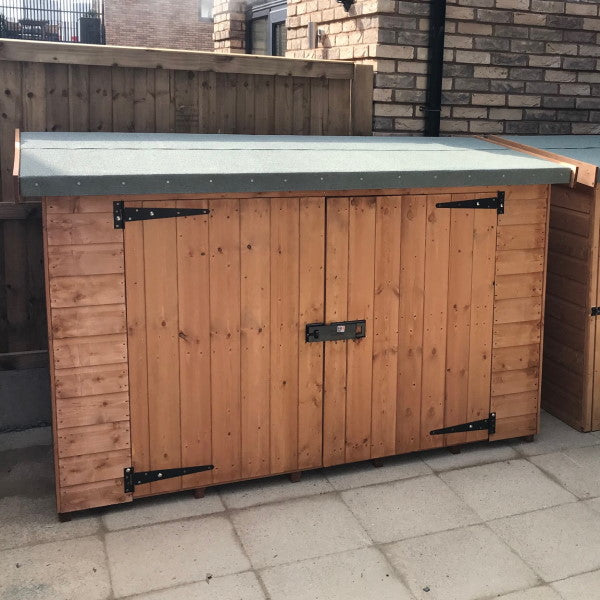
{"type": "Point", "coordinates": [511, 66]}
{"type": "Point", "coordinates": [158, 24]}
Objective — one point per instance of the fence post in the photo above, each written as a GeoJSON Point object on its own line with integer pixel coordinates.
{"type": "Point", "coordinates": [362, 100]}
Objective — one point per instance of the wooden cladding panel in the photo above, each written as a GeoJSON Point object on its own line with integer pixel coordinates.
{"type": "Point", "coordinates": [86, 299]}
{"type": "Point", "coordinates": [518, 312]}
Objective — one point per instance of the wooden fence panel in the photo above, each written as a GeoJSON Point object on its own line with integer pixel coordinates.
{"type": "Point", "coordinates": [49, 86]}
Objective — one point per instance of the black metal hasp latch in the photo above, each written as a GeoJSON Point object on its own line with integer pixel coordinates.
{"type": "Point", "coordinates": [123, 214]}
{"type": "Point", "coordinates": [496, 203]}
{"type": "Point", "coordinates": [595, 311]}
{"type": "Point", "coordinates": [488, 424]}
{"type": "Point", "coordinates": [333, 332]}
{"type": "Point", "coordinates": [132, 478]}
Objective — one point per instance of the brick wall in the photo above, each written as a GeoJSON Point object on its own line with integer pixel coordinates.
{"type": "Point", "coordinates": [230, 26]}
{"type": "Point", "coordinates": [157, 24]}
{"type": "Point", "coordinates": [511, 66]}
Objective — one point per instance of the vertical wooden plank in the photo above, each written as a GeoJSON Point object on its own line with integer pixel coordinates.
{"type": "Point", "coordinates": [57, 98]}
{"type": "Point", "coordinates": [359, 375]}
{"type": "Point", "coordinates": [385, 326]}
{"type": "Point", "coordinates": [435, 320]}
{"type": "Point", "coordinates": [338, 118]}
{"type": "Point", "coordinates": [319, 106]}
{"type": "Point", "coordinates": [36, 324]}
{"type": "Point", "coordinates": [244, 118]}
{"type": "Point", "coordinates": [301, 106]}
{"type": "Point", "coordinates": [284, 105]}
{"type": "Point", "coordinates": [15, 278]}
{"type": "Point", "coordinates": [255, 244]}
{"type": "Point", "coordinates": [79, 97]}
{"type": "Point", "coordinates": [264, 104]}
{"type": "Point", "coordinates": [3, 313]}
{"type": "Point", "coordinates": [207, 102]}
{"type": "Point", "coordinates": [194, 342]}
{"type": "Point", "coordinates": [226, 107]}
{"type": "Point", "coordinates": [122, 99]}
{"type": "Point", "coordinates": [162, 334]}
{"type": "Point", "coordinates": [312, 310]}
{"type": "Point", "coordinates": [11, 118]}
{"type": "Point", "coordinates": [336, 309]}
{"type": "Point", "coordinates": [459, 320]}
{"type": "Point", "coordinates": [137, 350]}
{"type": "Point", "coordinates": [186, 102]}
{"type": "Point", "coordinates": [224, 246]}
{"type": "Point", "coordinates": [164, 101]}
{"type": "Point", "coordinates": [410, 326]}
{"type": "Point", "coordinates": [284, 333]}
{"type": "Point", "coordinates": [482, 314]}
{"type": "Point", "coordinates": [101, 98]}
{"type": "Point", "coordinates": [362, 101]}
{"type": "Point", "coordinates": [34, 96]}
{"type": "Point", "coordinates": [143, 100]}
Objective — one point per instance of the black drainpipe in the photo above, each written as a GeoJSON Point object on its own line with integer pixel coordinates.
{"type": "Point", "coordinates": [433, 99]}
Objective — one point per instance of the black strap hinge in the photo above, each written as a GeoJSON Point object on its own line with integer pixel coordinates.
{"type": "Point", "coordinates": [496, 203]}
{"type": "Point", "coordinates": [123, 214]}
{"type": "Point", "coordinates": [131, 478]}
{"type": "Point", "coordinates": [482, 425]}
{"type": "Point", "coordinates": [595, 311]}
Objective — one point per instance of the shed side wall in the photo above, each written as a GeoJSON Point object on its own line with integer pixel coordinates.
{"type": "Point", "coordinates": [567, 378]}
{"type": "Point", "coordinates": [518, 311]}
{"type": "Point", "coordinates": [86, 299]}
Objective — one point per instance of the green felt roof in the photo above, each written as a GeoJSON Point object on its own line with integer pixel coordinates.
{"type": "Point", "coordinates": [585, 148]}
{"type": "Point", "coordinates": [75, 164]}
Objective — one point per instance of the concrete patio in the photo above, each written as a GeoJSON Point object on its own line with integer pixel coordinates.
{"type": "Point", "coordinates": [514, 521]}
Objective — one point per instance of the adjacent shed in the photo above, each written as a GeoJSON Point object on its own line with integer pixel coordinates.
{"type": "Point", "coordinates": [230, 307]}
{"type": "Point", "coordinates": [571, 383]}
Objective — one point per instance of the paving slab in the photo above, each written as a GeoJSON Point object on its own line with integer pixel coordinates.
{"type": "Point", "coordinates": [404, 509]}
{"type": "Point", "coordinates": [148, 511]}
{"type": "Point", "coordinates": [538, 593]}
{"type": "Point", "coordinates": [158, 556]}
{"type": "Point", "coordinates": [555, 436]}
{"type": "Point", "coordinates": [470, 455]}
{"type": "Point", "coordinates": [73, 570]}
{"type": "Point", "coordinates": [462, 564]}
{"type": "Point", "coordinates": [556, 542]}
{"type": "Point", "coordinates": [577, 469]}
{"type": "Point", "coordinates": [394, 468]}
{"type": "Point", "coordinates": [593, 504]}
{"type": "Point", "coordinates": [580, 587]}
{"type": "Point", "coordinates": [298, 529]}
{"type": "Point", "coordinates": [26, 521]}
{"type": "Point", "coordinates": [242, 586]}
{"type": "Point", "coordinates": [273, 489]}
{"type": "Point", "coordinates": [354, 575]}
{"type": "Point", "coordinates": [506, 488]}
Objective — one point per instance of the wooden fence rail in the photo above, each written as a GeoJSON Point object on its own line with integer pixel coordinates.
{"type": "Point", "coordinates": [47, 86]}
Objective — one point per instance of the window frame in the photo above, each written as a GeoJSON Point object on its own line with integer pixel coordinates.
{"type": "Point", "coordinates": [276, 13]}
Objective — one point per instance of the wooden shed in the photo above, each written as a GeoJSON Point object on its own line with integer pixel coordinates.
{"type": "Point", "coordinates": [571, 384]}
{"type": "Point", "coordinates": [230, 307]}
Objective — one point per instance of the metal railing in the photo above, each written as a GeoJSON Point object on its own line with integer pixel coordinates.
{"type": "Point", "coordinates": [53, 20]}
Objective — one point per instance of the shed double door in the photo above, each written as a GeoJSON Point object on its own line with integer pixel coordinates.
{"type": "Point", "coordinates": [217, 304]}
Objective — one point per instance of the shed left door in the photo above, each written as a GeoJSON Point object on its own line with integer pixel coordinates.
{"type": "Point", "coordinates": [219, 370]}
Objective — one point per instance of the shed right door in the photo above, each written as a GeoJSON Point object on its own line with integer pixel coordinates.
{"type": "Point", "coordinates": [423, 279]}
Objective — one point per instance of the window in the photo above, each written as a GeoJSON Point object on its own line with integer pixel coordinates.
{"type": "Point", "coordinates": [205, 9]}
{"type": "Point", "coordinates": [266, 30]}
